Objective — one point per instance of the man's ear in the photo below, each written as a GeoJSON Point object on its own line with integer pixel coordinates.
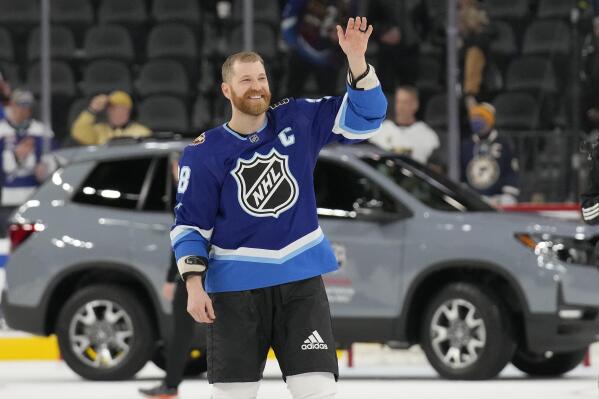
{"type": "Point", "coordinates": [226, 89]}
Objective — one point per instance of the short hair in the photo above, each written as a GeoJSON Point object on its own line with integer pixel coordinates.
{"type": "Point", "coordinates": [410, 89]}
{"type": "Point", "coordinates": [244, 56]}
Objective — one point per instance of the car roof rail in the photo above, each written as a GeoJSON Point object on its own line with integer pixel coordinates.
{"type": "Point", "coordinates": [155, 136]}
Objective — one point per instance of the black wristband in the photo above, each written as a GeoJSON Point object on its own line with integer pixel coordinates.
{"type": "Point", "coordinates": [185, 276]}
{"type": "Point", "coordinates": [354, 81]}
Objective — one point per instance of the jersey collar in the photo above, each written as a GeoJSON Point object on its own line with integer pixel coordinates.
{"type": "Point", "coordinates": [240, 136]}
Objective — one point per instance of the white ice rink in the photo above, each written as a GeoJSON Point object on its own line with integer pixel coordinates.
{"type": "Point", "coordinates": [409, 380]}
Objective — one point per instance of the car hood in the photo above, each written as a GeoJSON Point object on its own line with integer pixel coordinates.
{"type": "Point", "coordinates": [529, 223]}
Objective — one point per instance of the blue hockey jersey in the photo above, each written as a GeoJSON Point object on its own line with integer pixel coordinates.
{"type": "Point", "coordinates": [246, 202]}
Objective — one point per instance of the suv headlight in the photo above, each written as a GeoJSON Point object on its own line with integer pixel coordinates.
{"type": "Point", "coordinates": [563, 249]}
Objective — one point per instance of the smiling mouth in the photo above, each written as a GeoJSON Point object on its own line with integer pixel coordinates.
{"type": "Point", "coordinates": [255, 97]}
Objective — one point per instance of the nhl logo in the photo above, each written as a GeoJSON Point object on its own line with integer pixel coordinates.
{"type": "Point", "coordinates": [265, 186]}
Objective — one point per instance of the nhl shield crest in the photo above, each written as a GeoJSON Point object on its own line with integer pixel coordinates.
{"type": "Point", "coordinates": [265, 185]}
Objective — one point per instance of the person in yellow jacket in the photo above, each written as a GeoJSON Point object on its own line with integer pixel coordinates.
{"type": "Point", "coordinates": [87, 130]}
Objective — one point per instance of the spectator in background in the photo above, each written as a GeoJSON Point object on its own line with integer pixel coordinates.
{"type": "Point", "coordinates": [487, 162]}
{"type": "Point", "coordinates": [24, 143]}
{"type": "Point", "coordinates": [405, 134]}
{"type": "Point", "coordinates": [399, 28]}
{"type": "Point", "coordinates": [87, 130]}
{"type": "Point", "coordinates": [590, 61]}
{"type": "Point", "coordinates": [308, 28]}
{"type": "Point", "coordinates": [475, 38]}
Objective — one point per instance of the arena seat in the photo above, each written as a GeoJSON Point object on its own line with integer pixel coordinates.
{"type": "Point", "coordinates": [186, 11]}
{"type": "Point", "coordinates": [162, 77]}
{"type": "Point", "coordinates": [104, 76]}
{"type": "Point", "coordinates": [62, 44]}
{"type": "Point", "coordinates": [7, 50]}
{"type": "Point", "coordinates": [531, 74]}
{"type": "Point", "coordinates": [516, 111]}
{"type": "Point", "coordinates": [164, 113]}
{"type": "Point", "coordinates": [108, 41]}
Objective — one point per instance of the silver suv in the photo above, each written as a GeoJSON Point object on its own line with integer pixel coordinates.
{"type": "Point", "coordinates": [423, 261]}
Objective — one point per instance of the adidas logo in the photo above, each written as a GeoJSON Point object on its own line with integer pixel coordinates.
{"type": "Point", "coordinates": [314, 341]}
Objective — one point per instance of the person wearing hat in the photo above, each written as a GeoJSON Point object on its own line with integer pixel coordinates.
{"type": "Point", "coordinates": [488, 165]}
{"type": "Point", "coordinates": [87, 130]}
{"type": "Point", "coordinates": [24, 143]}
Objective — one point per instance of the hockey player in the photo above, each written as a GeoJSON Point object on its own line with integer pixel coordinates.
{"type": "Point", "coordinates": [246, 217]}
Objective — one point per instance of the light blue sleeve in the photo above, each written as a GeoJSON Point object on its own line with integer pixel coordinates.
{"type": "Point", "coordinates": [195, 211]}
{"type": "Point", "coordinates": [351, 118]}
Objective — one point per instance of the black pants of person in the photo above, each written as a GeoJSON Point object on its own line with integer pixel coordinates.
{"type": "Point", "coordinates": [293, 319]}
{"type": "Point", "coordinates": [179, 343]}
{"type": "Point", "coordinates": [300, 71]}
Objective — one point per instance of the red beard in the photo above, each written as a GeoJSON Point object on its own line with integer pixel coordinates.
{"type": "Point", "coordinates": [249, 106]}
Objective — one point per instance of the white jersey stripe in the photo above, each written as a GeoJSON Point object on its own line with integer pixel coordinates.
{"type": "Point", "coordinates": [269, 253]}
{"type": "Point", "coordinates": [184, 229]}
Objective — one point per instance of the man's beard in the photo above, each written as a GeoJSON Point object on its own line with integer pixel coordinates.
{"type": "Point", "coordinates": [251, 107]}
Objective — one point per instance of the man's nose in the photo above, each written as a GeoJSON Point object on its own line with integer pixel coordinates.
{"type": "Point", "coordinates": [256, 85]}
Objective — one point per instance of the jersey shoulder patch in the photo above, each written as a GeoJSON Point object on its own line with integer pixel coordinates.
{"type": "Point", "coordinates": [284, 101]}
{"type": "Point", "coordinates": [199, 140]}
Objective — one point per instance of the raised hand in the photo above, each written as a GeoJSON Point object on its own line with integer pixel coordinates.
{"type": "Point", "coordinates": [354, 42]}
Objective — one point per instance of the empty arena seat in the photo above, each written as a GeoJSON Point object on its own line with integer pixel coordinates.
{"type": "Point", "coordinates": [531, 74]}
{"type": "Point", "coordinates": [186, 11]}
{"type": "Point", "coordinates": [265, 40]}
{"type": "Point", "coordinates": [164, 113]}
{"type": "Point", "coordinates": [546, 37]}
{"type": "Point", "coordinates": [504, 41]}
{"type": "Point", "coordinates": [162, 77]}
{"type": "Point", "coordinates": [72, 13]}
{"type": "Point", "coordinates": [129, 12]}
{"type": "Point", "coordinates": [108, 41]}
{"type": "Point", "coordinates": [7, 51]}
{"type": "Point", "coordinates": [555, 8]}
{"type": "Point", "coordinates": [62, 44]}
{"type": "Point", "coordinates": [62, 79]}
{"type": "Point", "coordinates": [19, 14]}
{"type": "Point", "coordinates": [506, 9]}
{"type": "Point", "coordinates": [171, 41]}
{"type": "Point", "coordinates": [104, 76]}
{"type": "Point", "coordinates": [516, 111]}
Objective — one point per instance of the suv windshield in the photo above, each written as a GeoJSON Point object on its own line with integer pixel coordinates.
{"type": "Point", "coordinates": [430, 188]}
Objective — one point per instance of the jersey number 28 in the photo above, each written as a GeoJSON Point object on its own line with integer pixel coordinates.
{"type": "Point", "coordinates": [184, 179]}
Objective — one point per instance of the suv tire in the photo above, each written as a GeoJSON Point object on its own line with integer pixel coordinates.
{"type": "Point", "coordinates": [109, 325]}
{"type": "Point", "coordinates": [540, 366]}
{"type": "Point", "coordinates": [466, 334]}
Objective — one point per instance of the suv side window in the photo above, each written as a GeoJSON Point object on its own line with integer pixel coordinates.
{"type": "Point", "coordinates": [157, 198]}
{"type": "Point", "coordinates": [338, 187]}
{"type": "Point", "coordinates": [116, 184]}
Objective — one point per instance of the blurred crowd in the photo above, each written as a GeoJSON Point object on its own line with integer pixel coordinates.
{"type": "Point", "coordinates": [513, 77]}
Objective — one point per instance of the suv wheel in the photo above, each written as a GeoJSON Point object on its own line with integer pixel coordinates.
{"type": "Point", "coordinates": [466, 334]}
{"type": "Point", "coordinates": [104, 333]}
{"type": "Point", "coordinates": [539, 365]}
